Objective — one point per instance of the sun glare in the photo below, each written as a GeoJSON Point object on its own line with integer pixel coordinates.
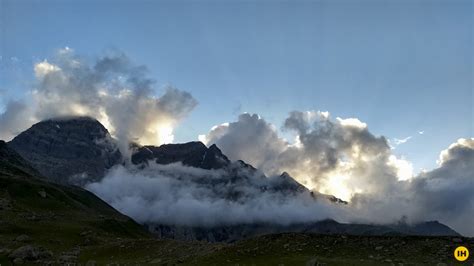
{"type": "Point", "coordinates": [165, 134]}
{"type": "Point", "coordinates": [336, 186]}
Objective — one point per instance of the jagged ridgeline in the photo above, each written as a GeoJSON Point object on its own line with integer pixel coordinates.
{"type": "Point", "coordinates": [80, 150]}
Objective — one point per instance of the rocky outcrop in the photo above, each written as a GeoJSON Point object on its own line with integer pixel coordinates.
{"type": "Point", "coordinates": [68, 150]}
{"type": "Point", "coordinates": [194, 154]}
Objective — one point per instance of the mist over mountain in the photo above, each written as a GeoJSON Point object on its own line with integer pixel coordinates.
{"type": "Point", "coordinates": [190, 191]}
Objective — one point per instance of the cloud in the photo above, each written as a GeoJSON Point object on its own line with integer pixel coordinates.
{"type": "Point", "coordinates": [325, 154]}
{"type": "Point", "coordinates": [13, 120]}
{"type": "Point", "coordinates": [401, 141]}
{"type": "Point", "coordinates": [251, 139]}
{"type": "Point", "coordinates": [112, 89]}
{"type": "Point", "coordinates": [443, 194]}
{"type": "Point", "coordinates": [178, 195]}
{"type": "Point", "coordinates": [343, 158]}
{"type": "Point", "coordinates": [446, 193]}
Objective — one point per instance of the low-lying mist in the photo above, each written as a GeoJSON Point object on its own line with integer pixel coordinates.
{"type": "Point", "coordinates": [179, 195]}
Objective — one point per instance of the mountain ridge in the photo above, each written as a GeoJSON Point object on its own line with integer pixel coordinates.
{"type": "Point", "coordinates": [53, 139]}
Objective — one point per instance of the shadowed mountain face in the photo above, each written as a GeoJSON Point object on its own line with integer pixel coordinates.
{"type": "Point", "coordinates": [68, 151]}
{"type": "Point", "coordinates": [12, 164]}
{"type": "Point", "coordinates": [194, 154]}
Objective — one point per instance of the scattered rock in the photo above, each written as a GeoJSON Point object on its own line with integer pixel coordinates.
{"type": "Point", "coordinates": [5, 204]}
{"type": "Point", "coordinates": [155, 261]}
{"type": "Point", "coordinates": [67, 258]}
{"type": "Point", "coordinates": [18, 261]}
{"type": "Point", "coordinates": [42, 194]}
{"type": "Point", "coordinates": [23, 238]}
{"type": "Point", "coordinates": [29, 252]}
{"type": "Point", "coordinates": [91, 263]}
{"type": "Point", "coordinates": [379, 248]}
{"type": "Point", "coordinates": [312, 262]}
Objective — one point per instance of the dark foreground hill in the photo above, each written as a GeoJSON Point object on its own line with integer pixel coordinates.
{"type": "Point", "coordinates": [40, 220]}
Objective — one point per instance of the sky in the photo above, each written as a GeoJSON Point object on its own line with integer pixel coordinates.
{"type": "Point", "coordinates": [405, 68]}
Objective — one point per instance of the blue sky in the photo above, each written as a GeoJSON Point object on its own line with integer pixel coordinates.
{"type": "Point", "coordinates": [399, 66]}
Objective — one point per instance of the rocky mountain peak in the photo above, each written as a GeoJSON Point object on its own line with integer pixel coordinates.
{"type": "Point", "coordinates": [194, 154]}
{"type": "Point", "coordinates": [67, 147]}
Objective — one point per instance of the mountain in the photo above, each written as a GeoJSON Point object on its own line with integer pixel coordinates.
{"type": "Point", "coordinates": [13, 165]}
{"type": "Point", "coordinates": [79, 149]}
{"type": "Point", "coordinates": [68, 150]}
{"type": "Point", "coordinates": [41, 221]}
{"type": "Point", "coordinates": [45, 223]}
{"type": "Point", "coordinates": [194, 154]}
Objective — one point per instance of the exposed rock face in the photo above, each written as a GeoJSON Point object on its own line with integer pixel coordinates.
{"type": "Point", "coordinates": [70, 150]}
{"type": "Point", "coordinates": [194, 154]}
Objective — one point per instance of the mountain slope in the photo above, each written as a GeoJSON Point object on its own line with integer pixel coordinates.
{"type": "Point", "coordinates": [36, 213]}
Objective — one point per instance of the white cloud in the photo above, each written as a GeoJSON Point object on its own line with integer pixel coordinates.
{"type": "Point", "coordinates": [44, 68]}
{"type": "Point", "coordinates": [401, 141]}
{"type": "Point", "coordinates": [178, 195]}
{"type": "Point", "coordinates": [351, 122]}
{"type": "Point", "coordinates": [350, 162]}
{"type": "Point", "coordinates": [323, 151]}
{"type": "Point", "coordinates": [111, 89]}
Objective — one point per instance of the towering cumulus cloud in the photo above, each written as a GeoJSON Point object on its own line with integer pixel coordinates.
{"type": "Point", "coordinates": [326, 152]}
{"type": "Point", "coordinates": [341, 157]}
{"type": "Point", "coordinates": [111, 89]}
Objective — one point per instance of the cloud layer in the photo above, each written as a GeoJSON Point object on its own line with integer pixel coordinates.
{"type": "Point", "coordinates": [111, 89]}
{"type": "Point", "coordinates": [179, 195]}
